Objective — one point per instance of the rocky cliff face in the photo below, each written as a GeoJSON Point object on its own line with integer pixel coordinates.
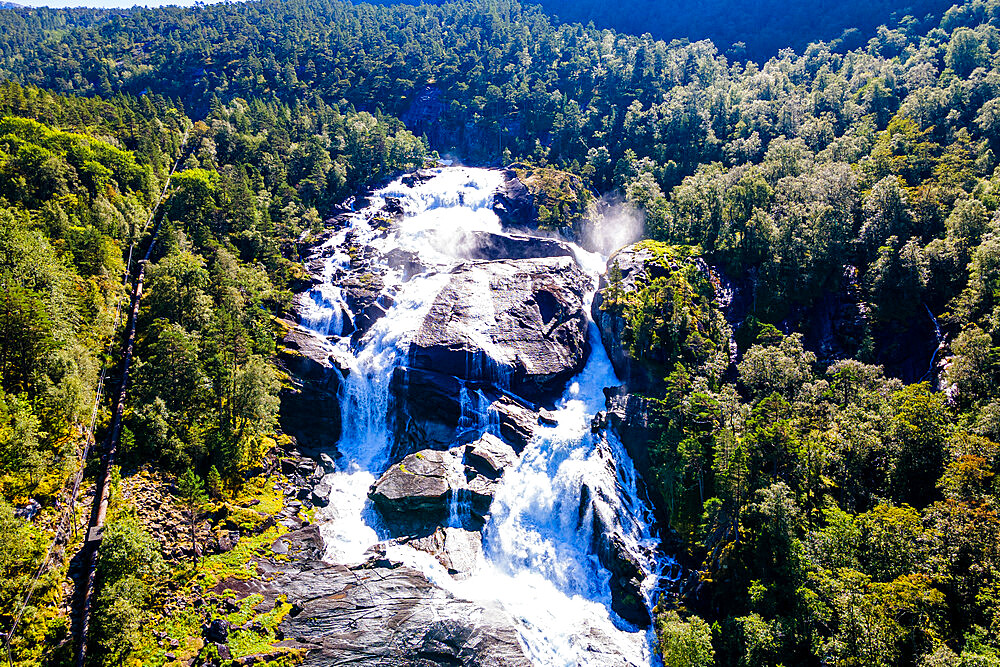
{"type": "Point", "coordinates": [310, 408]}
{"type": "Point", "coordinates": [541, 198]}
{"type": "Point", "coordinates": [657, 306]}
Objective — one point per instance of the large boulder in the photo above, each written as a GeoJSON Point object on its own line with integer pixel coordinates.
{"type": "Point", "coordinates": [427, 486]}
{"type": "Point", "coordinates": [517, 323]}
{"type": "Point", "coordinates": [421, 484]}
{"type": "Point", "coordinates": [515, 422]}
{"type": "Point", "coordinates": [489, 456]}
{"type": "Point", "coordinates": [310, 408]}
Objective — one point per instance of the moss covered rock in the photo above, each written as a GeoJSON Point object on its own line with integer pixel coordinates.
{"type": "Point", "coordinates": [542, 198]}
{"type": "Point", "coordinates": [656, 308]}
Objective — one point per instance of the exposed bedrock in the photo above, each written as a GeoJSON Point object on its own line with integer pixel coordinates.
{"type": "Point", "coordinates": [310, 408]}
{"type": "Point", "coordinates": [517, 323]}
{"type": "Point", "coordinates": [638, 266]}
{"type": "Point", "coordinates": [514, 203]}
{"type": "Point", "coordinates": [378, 614]}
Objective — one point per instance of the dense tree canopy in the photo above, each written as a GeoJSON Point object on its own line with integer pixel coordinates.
{"type": "Point", "coordinates": [826, 458]}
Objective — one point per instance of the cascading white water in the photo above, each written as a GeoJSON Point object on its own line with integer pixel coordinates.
{"type": "Point", "coordinates": [539, 563]}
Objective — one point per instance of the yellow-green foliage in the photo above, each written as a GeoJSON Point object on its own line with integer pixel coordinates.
{"type": "Point", "coordinates": [28, 146]}
{"type": "Point", "coordinates": [668, 318]}
{"type": "Point", "coordinates": [561, 198]}
{"type": "Point", "coordinates": [183, 621]}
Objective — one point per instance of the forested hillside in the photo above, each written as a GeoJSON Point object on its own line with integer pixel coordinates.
{"type": "Point", "coordinates": [814, 348]}
{"type": "Point", "coordinates": [75, 200]}
{"type": "Point", "coordinates": [757, 30]}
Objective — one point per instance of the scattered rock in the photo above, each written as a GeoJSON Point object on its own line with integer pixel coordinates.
{"type": "Point", "coordinates": [266, 524]}
{"type": "Point", "coordinates": [406, 261]}
{"type": "Point", "coordinates": [228, 540]}
{"type": "Point", "coordinates": [327, 463]}
{"type": "Point", "coordinates": [28, 510]}
{"type": "Point", "coordinates": [321, 495]}
{"type": "Point", "coordinates": [216, 632]}
{"type": "Point", "coordinates": [393, 206]}
{"type": "Point", "coordinates": [457, 549]}
{"type": "Point", "coordinates": [489, 456]}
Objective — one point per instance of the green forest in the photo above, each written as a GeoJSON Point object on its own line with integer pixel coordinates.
{"type": "Point", "coordinates": [833, 481]}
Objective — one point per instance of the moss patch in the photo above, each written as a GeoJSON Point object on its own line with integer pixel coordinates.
{"type": "Point", "coordinates": [668, 318]}
{"type": "Point", "coordinates": [187, 599]}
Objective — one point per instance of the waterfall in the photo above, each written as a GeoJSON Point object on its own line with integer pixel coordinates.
{"type": "Point", "coordinates": [539, 562]}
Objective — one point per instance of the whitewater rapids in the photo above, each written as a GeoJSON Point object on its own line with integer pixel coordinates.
{"type": "Point", "coordinates": [538, 563]}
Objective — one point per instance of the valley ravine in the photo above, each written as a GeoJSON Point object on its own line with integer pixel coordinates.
{"type": "Point", "coordinates": [468, 373]}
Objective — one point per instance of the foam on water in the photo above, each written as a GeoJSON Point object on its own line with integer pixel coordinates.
{"type": "Point", "coordinates": [538, 560]}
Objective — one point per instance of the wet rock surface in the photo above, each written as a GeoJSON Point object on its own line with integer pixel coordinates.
{"type": "Point", "coordinates": [518, 323]}
{"type": "Point", "coordinates": [500, 339]}
{"type": "Point", "coordinates": [379, 614]}
{"type": "Point", "coordinates": [431, 411]}
{"type": "Point", "coordinates": [514, 204]}
{"type": "Point", "coordinates": [363, 293]}
{"type": "Point", "coordinates": [458, 550]}
{"type": "Point", "coordinates": [489, 456]}
{"type": "Point", "coordinates": [637, 265]}
{"type": "Point", "coordinates": [630, 418]}
{"type": "Point", "coordinates": [310, 408]}
{"type": "Point", "coordinates": [430, 485]}
{"type": "Point", "coordinates": [627, 574]}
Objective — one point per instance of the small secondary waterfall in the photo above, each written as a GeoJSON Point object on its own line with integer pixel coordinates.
{"type": "Point", "coordinates": [538, 559]}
